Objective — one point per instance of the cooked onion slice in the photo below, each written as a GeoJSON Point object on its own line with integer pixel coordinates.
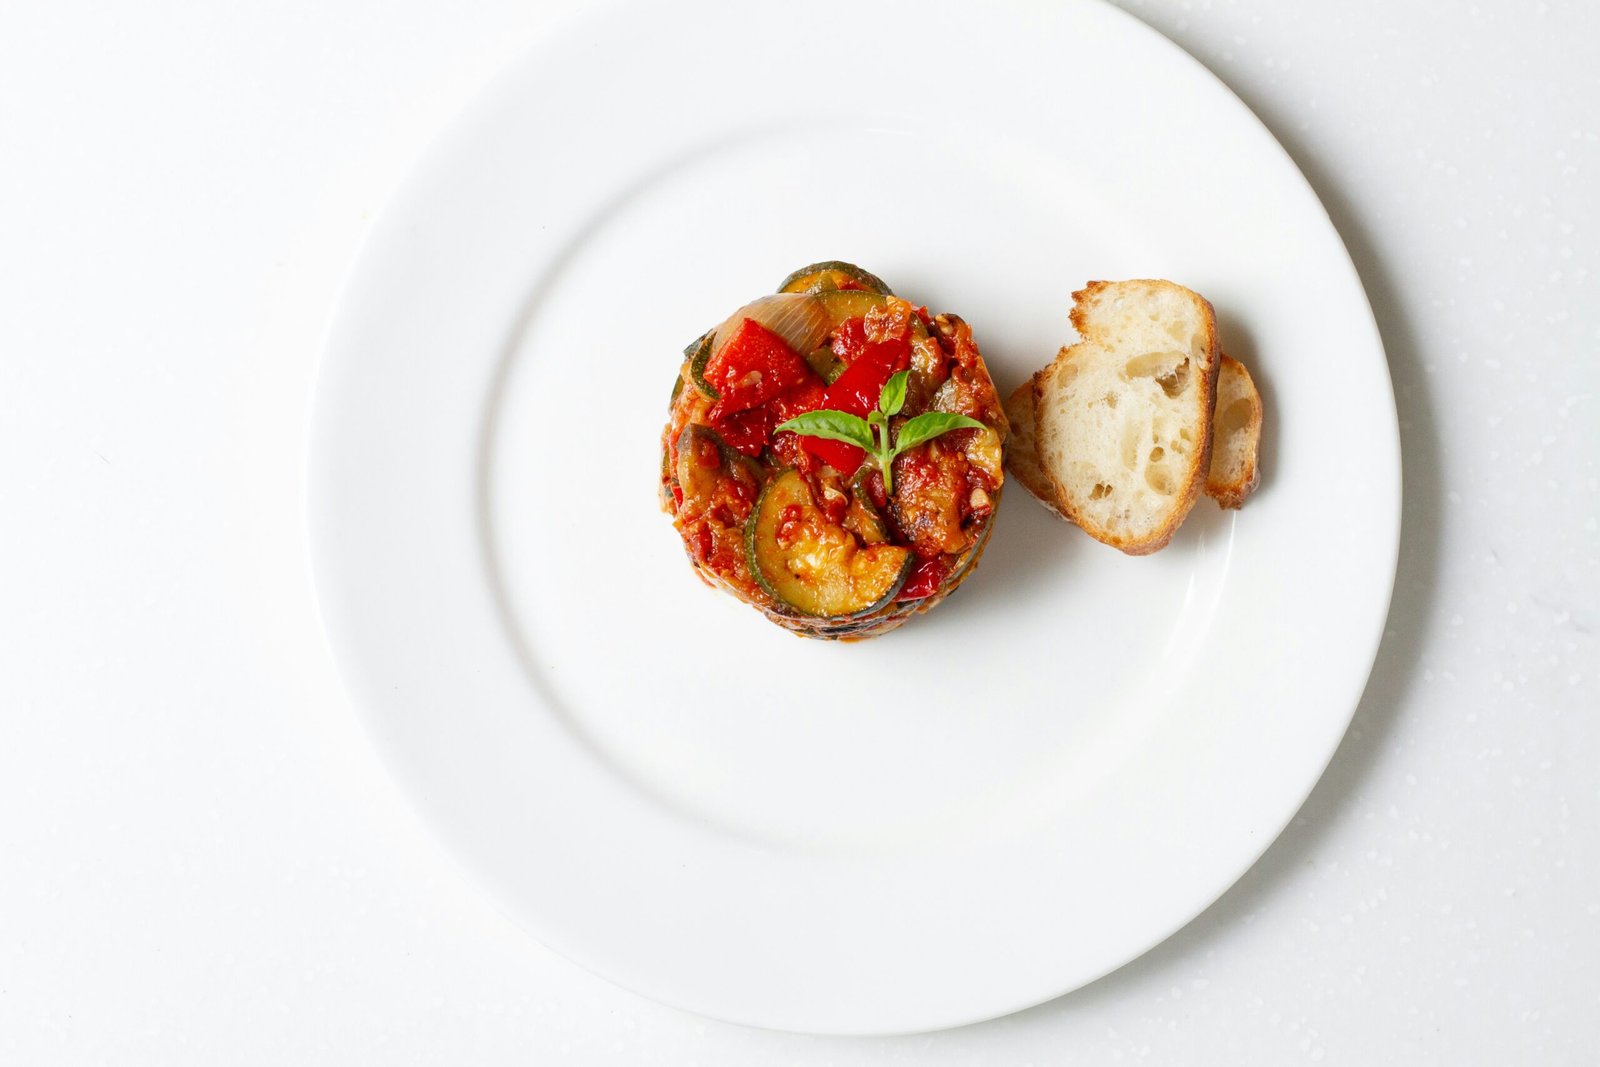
{"type": "Point", "coordinates": [799, 318]}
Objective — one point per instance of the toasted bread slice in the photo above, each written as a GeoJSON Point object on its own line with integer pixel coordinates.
{"type": "Point", "coordinates": [1235, 440]}
{"type": "Point", "coordinates": [1235, 436]}
{"type": "Point", "coordinates": [1123, 417]}
{"type": "Point", "coordinates": [1022, 456]}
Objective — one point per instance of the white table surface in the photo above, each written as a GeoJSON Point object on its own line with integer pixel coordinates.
{"type": "Point", "coordinates": [202, 862]}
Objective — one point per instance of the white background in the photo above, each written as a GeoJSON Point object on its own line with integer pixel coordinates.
{"type": "Point", "coordinates": [202, 862]}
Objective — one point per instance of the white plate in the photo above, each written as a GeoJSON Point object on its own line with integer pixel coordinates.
{"type": "Point", "coordinates": [1004, 799]}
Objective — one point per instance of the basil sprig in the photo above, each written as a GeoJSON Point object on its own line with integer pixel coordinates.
{"type": "Point", "coordinates": [872, 435]}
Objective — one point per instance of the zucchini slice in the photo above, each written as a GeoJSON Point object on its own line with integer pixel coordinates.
{"type": "Point", "coordinates": [697, 479]}
{"type": "Point", "coordinates": [843, 305]}
{"type": "Point", "coordinates": [698, 353]}
{"type": "Point", "coordinates": [830, 274]}
{"type": "Point", "coordinates": [825, 364]}
{"type": "Point", "coordinates": [667, 480]}
{"type": "Point", "coordinates": [864, 519]}
{"type": "Point", "coordinates": [813, 566]}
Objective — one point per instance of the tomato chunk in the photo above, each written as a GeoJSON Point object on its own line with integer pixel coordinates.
{"type": "Point", "coordinates": [747, 431]}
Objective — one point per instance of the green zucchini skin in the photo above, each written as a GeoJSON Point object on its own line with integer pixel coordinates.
{"type": "Point", "coordinates": [845, 304]}
{"type": "Point", "coordinates": [668, 478]}
{"type": "Point", "coordinates": [825, 364]}
{"type": "Point", "coordinates": [864, 519]}
{"type": "Point", "coordinates": [699, 483]}
{"type": "Point", "coordinates": [698, 354]}
{"type": "Point", "coordinates": [848, 589]}
{"type": "Point", "coordinates": [827, 275]}
{"type": "Point", "coordinates": [897, 614]}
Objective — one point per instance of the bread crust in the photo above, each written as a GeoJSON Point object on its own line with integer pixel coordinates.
{"type": "Point", "coordinates": [1199, 464]}
{"type": "Point", "coordinates": [1231, 492]}
{"type": "Point", "coordinates": [1022, 455]}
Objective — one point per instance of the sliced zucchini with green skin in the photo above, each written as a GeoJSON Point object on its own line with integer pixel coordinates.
{"type": "Point", "coordinates": [677, 387]}
{"type": "Point", "coordinates": [864, 519]}
{"type": "Point", "coordinates": [667, 479]}
{"type": "Point", "coordinates": [816, 568]}
{"type": "Point", "coordinates": [830, 274]}
{"type": "Point", "coordinates": [699, 352]}
{"type": "Point", "coordinates": [843, 305]}
{"type": "Point", "coordinates": [827, 366]}
{"type": "Point", "coordinates": [697, 479]}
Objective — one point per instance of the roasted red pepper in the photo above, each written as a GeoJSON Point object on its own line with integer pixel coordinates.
{"type": "Point", "coordinates": [747, 431]}
{"type": "Point", "coordinates": [809, 397]}
{"type": "Point", "coordinates": [764, 384]}
{"type": "Point", "coordinates": [751, 368]}
{"type": "Point", "coordinates": [871, 365]}
{"type": "Point", "coordinates": [836, 454]}
{"type": "Point", "coordinates": [856, 391]}
{"type": "Point", "coordinates": [925, 579]}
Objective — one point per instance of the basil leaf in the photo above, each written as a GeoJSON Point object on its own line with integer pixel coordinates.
{"type": "Point", "coordinates": [893, 397]}
{"type": "Point", "coordinates": [929, 425]}
{"type": "Point", "coordinates": [833, 425]}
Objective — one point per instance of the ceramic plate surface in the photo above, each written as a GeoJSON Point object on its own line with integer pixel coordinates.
{"type": "Point", "coordinates": [999, 802]}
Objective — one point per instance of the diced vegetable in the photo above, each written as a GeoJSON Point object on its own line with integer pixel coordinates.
{"type": "Point", "coordinates": [844, 458]}
{"type": "Point", "coordinates": [812, 565]}
{"type": "Point", "coordinates": [824, 363]}
{"type": "Point", "coordinates": [856, 390]}
{"type": "Point", "coordinates": [747, 432]}
{"type": "Point", "coordinates": [925, 579]}
{"type": "Point", "coordinates": [985, 452]}
{"type": "Point", "coordinates": [864, 519]}
{"type": "Point", "coordinates": [754, 365]}
{"type": "Point", "coordinates": [870, 366]}
{"type": "Point", "coordinates": [704, 461]}
{"type": "Point", "coordinates": [931, 483]}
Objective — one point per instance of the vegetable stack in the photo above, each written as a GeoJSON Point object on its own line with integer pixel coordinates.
{"type": "Point", "coordinates": [834, 455]}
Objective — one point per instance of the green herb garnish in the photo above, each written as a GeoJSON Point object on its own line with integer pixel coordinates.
{"type": "Point", "coordinates": [871, 434]}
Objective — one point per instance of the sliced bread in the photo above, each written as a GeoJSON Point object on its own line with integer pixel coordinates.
{"type": "Point", "coordinates": [1022, 456]}
{"type": "Point", "coordinates": [1235, 436]}
{"type": "Point", "coordinates": [1123, 417]}
{"type": "Point", "coordinates": [1235, 441]}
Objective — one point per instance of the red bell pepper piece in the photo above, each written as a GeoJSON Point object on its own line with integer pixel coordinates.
{"type": "Point", "coordinates": [925, 579]}
{"type": "Point", "coordinates": [858, 388]}
{"type": "Point", "coordinates": [746, 431]}
{"type": "Point", "coordinates": [841, 457]}
{"type": "Point", "coordinates": [871, 365]}
{"type": "Point", "coordinates": [856, 391]}
{"type": "Point", "coordinates": [752, 367]}
{"type": "Point", "coordinates": [809, 397]}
